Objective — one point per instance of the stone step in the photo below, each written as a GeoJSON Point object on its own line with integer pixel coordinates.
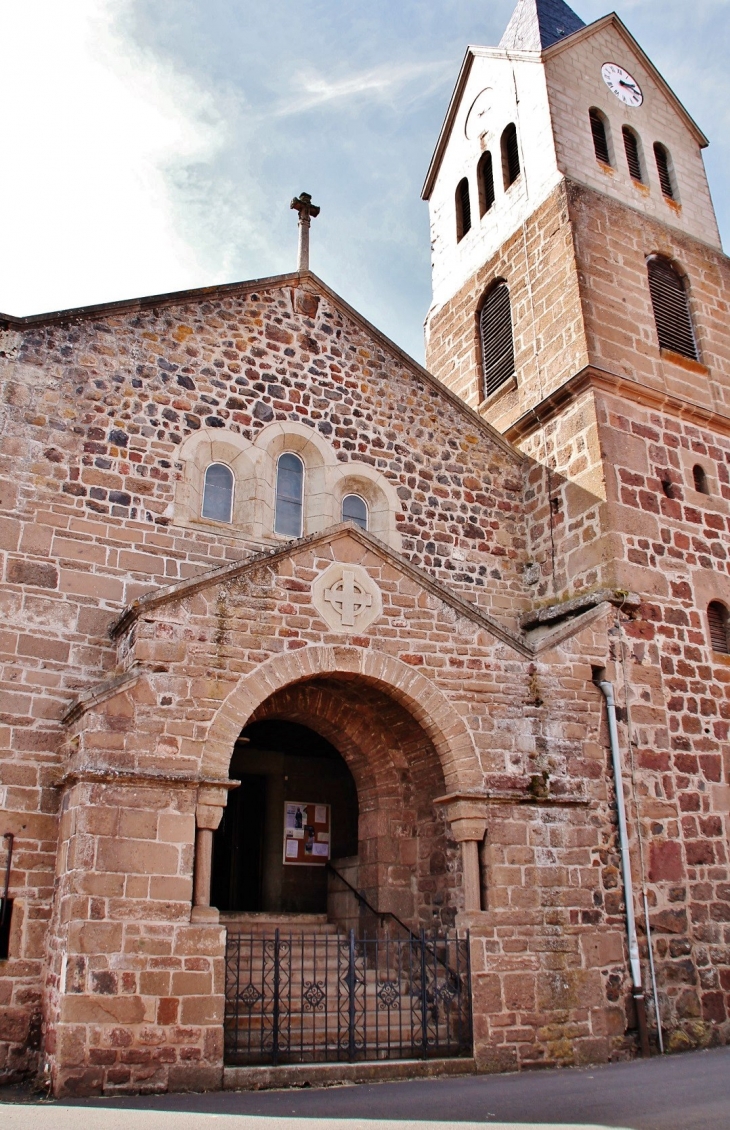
{"type": "Point", "coordinates": [321, 1074]}
{"type": "Point", "coordinates": [257, 923]}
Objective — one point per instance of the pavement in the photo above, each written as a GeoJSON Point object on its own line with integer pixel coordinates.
{"type": "Point", "coordinates": [685, 1092]}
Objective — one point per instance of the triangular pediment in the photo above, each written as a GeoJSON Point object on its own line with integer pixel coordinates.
{"type": "Point", "coordinates": [299, 285]}
{"type": "Point", "coordinates": [348, 535]}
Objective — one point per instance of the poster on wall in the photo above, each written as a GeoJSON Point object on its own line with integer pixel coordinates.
{"type": "Point", "coordinates": [306, 834]}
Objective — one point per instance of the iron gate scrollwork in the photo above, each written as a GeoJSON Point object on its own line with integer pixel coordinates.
{"type": "Point", "coordinates": [306, 998]}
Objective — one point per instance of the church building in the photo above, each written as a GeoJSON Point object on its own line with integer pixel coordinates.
{"type": "Point", "coordinates": [360, 719]}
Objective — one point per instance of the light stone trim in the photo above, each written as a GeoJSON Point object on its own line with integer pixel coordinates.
{"type": "Point", "coordinates": [347, 598]}
{"type": "Point", "coordinates": [254, 466]}
{"type": "Point", "coordinates": [423, 700]}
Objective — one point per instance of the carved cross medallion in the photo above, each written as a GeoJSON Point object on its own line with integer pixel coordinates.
{"type": "Point", "coordinates": [348, 598]}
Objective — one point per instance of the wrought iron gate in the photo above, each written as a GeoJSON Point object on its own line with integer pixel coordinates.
{"type": "Point", "coordinates": [305, 998]}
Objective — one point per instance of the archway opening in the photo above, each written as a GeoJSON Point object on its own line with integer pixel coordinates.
{"type": "Point", "coordinates": [270, 851]}
{"type": "Point", "coordinates": [344, 744]}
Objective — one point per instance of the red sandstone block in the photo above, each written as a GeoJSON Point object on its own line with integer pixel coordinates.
{"type": "Point", "coordinates": [201, 1010]}
{"type": "Point", "coordinates": [87, 1009]}
{"type": "Point", "coordinates": [137, 857]}
{"type": "Point", "coordinates": [95, 937]}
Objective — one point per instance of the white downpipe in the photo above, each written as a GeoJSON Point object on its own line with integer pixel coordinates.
{"type": "Point", "coordinates": [607, 690]}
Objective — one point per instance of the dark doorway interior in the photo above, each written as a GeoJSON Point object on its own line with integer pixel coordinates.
{"type": "Point", "coordinates": [279, 762]}
{"type": "Point", "coordinates": [238, 851]}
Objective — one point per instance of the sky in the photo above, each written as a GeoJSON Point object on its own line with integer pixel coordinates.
{"type": "Point", "coordinates": [155, 145]}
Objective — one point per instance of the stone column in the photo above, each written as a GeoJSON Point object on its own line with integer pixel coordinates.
{"type": "Point", "coordinates": [466, 813]}
{"type": "Point", "coordinates": [208, 815]}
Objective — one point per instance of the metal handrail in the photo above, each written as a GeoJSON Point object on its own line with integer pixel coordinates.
{"type": "Point", "coordinates": [381, 914]}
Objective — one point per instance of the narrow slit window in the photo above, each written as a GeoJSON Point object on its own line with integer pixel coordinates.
{"type": "Point", "coordinates": [717, 619]}
{"type": "Point", "coordinates": [289, 496]}
{"type": "Point", "coordinates": [463, 209]}
{"type": "Point", "coordinates": [218, 493]}
{"type": "Point", "coordinates": [485, 173]}
{"type": "Point", "coordinates": [661, 155]}
{"type": "Point", "coordinates": [355, 509]}
{"type": "Point", "coordinates": [671, 308]}
{"type": "Point", "coordinates": [700, 479]}
{"type": "Point", "coordinates": [633, 157]}
{"type": "Point", "coordinates": [510, 155]}
{"type": "Point", "coordinates": [600, 137]}
{"type": "Point", "coordinates": [495, 331]}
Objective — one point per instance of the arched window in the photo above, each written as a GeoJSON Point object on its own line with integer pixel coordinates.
{"type": "Point", "coordinates": [599, 129]}
{"type": "Point", "coordinates": [218, 493]}
{"type": "Point", "coordinates": [355, 509]}
{"type": "Point", "coordinates": [495, 332]}
{"type": "Point", "coordinates": [717, 619]}
{"type": "Point", "coordinates": [463, 209]}
{"type": "Point", "coordinates": [510, 155]}
{"type": "Point", "coordinates": [485, 178]}
{"type": "Point", "coordinates": [700, 479]}
{"type": "Point", "coordinates": [289, 495]}
{"type": "Point", "coordinates": [661, 156]}
{"type": "Point", "coordinates": [671, 308]}
{"type": "Point", "coordinates": [633, 156]}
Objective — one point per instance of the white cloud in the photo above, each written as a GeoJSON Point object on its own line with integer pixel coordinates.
{"type": "Point", "coordinates": [311, 89]}
{"type": "Point", "coordinates": [93, 127]}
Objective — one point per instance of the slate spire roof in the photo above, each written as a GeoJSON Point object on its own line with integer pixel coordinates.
{"type": "Point", "coordinates": [537, 24]}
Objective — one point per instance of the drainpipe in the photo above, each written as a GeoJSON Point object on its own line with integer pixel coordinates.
{"type": "Point", "coordinates": [638, 992]}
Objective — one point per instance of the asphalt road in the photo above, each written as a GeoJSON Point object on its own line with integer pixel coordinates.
{"type": "Point", "coordinates": [686, 1092]}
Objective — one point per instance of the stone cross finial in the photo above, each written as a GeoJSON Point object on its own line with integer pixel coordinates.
{"type": "Point", "coordinates": [306, 209]}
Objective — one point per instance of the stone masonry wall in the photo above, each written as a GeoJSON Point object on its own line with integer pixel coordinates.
{"type": "Point", "coordinates": [95, 409]}
{"type": "Point", "coordinates": [500, 722]}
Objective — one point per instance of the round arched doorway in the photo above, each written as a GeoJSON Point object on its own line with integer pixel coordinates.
{"type": "Point", "coordinates": [339, 880]}
{"type": "Point", "coordinates": [339, 742]}
{"type": "Point", "coordinates": [270, 851]}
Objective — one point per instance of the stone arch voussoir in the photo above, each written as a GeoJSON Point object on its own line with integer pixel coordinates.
{"type": "Point", "coordinates": [416, 693]}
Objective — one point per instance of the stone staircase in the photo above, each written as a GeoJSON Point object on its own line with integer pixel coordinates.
{"type": "Point", "coordinates": [313, 993]}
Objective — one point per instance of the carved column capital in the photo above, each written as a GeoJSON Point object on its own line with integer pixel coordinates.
{"type": "Point", "coordinates": [467, 815]}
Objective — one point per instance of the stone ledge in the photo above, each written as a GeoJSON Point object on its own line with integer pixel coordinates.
{"type": "Point", "coordinates": [568, 608]}
{"type": "Point", "coordinates": [329, 1074]}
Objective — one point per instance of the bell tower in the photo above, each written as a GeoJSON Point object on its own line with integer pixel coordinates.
{"type": "Point", "coordinates": [578, 275]}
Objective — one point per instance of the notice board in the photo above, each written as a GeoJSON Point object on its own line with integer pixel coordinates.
{"type": "Point", "coordinates": [307, 834]}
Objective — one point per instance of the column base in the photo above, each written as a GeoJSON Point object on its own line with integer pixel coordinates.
{"type": "Point", "coordinates": [209, 914]}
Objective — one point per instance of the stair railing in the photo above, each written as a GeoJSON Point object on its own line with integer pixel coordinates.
{"type": "Point", "coordinates": [362, 901]}
{"type": "Point", "coordinates": [420, 938]}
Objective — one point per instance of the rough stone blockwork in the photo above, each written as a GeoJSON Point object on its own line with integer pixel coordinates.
{"type": "Point", "coordinates": [138, 637]}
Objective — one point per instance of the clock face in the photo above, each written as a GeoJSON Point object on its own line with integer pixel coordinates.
{"type": "Point", "coordinates": [622, 84]}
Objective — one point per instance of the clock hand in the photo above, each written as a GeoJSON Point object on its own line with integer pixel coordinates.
{"type": "Point", "coordinates": [628, 85]}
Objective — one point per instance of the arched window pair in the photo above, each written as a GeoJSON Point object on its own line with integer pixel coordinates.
{"type": "Point", "coordinates": [289, 509]}
{"type": "Point", "coordinates": [510, 150]}
{"type": "Point", "coordinates": [600, 131]}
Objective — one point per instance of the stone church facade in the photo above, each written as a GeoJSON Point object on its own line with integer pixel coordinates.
{"type": "Point", "coordinates": [230, 510]}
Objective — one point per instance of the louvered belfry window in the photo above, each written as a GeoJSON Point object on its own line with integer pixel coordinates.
{"type": "Point", "coordinates": [671, 308]}
{"type": "Point", "coordinates": [495, 329]}
{"type": "Point", "coordinates": [600, 137]}
{"type": "Point", "coordinates": [486, 182]}
{"type": "Point", "coordinates": [717, 620]}
{"type": "Point", "coordinates": [510, 155]}
{"type": "Point", "coordinates": [662, 167]}
{"type": "Point", "coordinates": [633, 160]}
{"type": "Point", "coordinates": [463, 209]}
